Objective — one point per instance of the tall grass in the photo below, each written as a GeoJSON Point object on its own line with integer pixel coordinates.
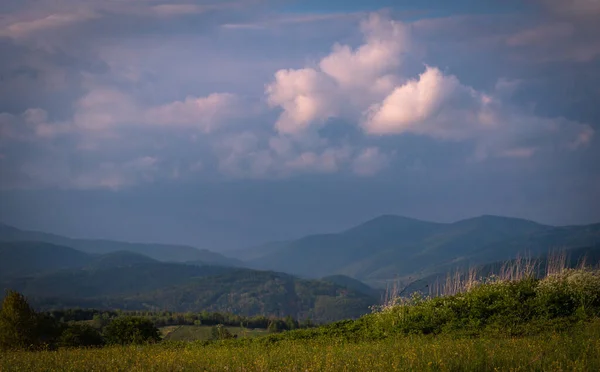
{"type": "Point", "coordinates": [523, 267]}
{"type": "Point", "coordinates": [577, 350]}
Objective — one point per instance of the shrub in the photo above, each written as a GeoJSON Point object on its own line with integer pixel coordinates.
{"type": "Point", "coordinates": [511, 307]}
{"type": "Point", "coordinates": [219, 332]}
{"type": "Point", "coordinates": [131, 330]}
{"type": "Point", "coordinates": [80, 335]}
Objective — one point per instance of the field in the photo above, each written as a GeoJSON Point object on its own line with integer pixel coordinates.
{"type": "Point", "coordinates": [575, 350]}
{"type": "Point", "coordinates": [203, 333]}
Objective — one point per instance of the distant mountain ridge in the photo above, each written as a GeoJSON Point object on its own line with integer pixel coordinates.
{"type": "Point", "coordinates": [54, 276]}
{"type": "Point", "coordinates": [391, 246]}
{"type": "Point", "coordinates": [160, 252]}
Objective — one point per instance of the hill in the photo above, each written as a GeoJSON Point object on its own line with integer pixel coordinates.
{"type": "Point", "coordinates": [185, 287]}
{"type": "Point", "coordinates": [392, 246]}
{"type": "Point", "coordinates": [160, 252]}
{"type": "Point", "coordinates": [249, 292]}
{"type": "Point", "coordinates": [351, 283]}
{"type": "Point", "coordinates": [28, 258]}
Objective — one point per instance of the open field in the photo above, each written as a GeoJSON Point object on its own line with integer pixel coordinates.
{"type": "Point", "coordinates": [575, 350]}
{"type": "Point", "coordinates": [204, 333]}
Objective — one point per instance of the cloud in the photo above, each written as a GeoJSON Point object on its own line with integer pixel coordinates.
{"type": "Point", "coordinates": [417, 104]}
{"type": "Point", "coordinates": [369, 162]}
{"type": "Point", "coordinates": [204, 113]}
{"type": "Point", "coordinates": [104, 111]}
{"type": "Point", "coordinates": [177, 9]}
{"type": "Point", "coordinates": [349, 110]}
{"type": "Point", "coordinates": [343, 79]}
{"type": "Point", "coordinates": [573, 8]}
{"type": "Point", "coordinates": [25, 29]}
{"type": "Point", "coordinates": [368, 86]}
{"type": "Point", "coordinates": [287, 20]}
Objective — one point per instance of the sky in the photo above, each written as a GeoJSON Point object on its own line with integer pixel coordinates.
{"type": "Point", "coordinates": [225, 124]}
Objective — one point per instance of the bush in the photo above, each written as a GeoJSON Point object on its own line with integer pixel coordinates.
{"type": "Point", "coordinates": [219, 332]}
{"type": "Point", "coordinates": [131, 330]}
{"type": "Point", "coordinates": [80, 335]}
{"type": "Point", "coordinates": [571, 292]}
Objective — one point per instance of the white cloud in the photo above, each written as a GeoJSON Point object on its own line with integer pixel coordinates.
{"type": "Point", "coordinates": [344, 79]}
{"type": "Point", "coordinates": [369, 162]}
{"type": "Point", "coordinates": [419, 104]}
{"type": "Point", "coordinates": [366, 86]}
{"type": "Point", "coordinates": [24, 29]}
{"type": "Point", "coordinates": [103, 112]}
{"type": "Point", "coordinates": [204, 113]}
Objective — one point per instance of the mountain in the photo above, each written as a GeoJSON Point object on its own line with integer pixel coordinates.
{"type": "Point", "coordinates": [390, 247]}
{"type": "Point", "coordinates": [28, 258]}
{"type": "Point", "coordinates": [326, 254]}
{"type": "Point", "coordinates": [182, 288]}
{"type": "Point", "coordinates": [160, 252]}
{"type": "Point", "coordinates": [351, 283]}
{"type": "Point", "coordinates": [119, 259]}
{"type": "Point", "coordinates": [90, 282]}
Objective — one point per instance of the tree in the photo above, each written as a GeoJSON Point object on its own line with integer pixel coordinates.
{"type": "Point", "coordinates": [131, 330]}
{"type": "Point", "coordinates": [219, 332]}
{"type": "Point", "coordinates": [19, 323]}
{"type": "Point", "coordinates": [80, 335]}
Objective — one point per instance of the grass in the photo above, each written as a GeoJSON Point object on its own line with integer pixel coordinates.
{"type": "Point", "coordinates": [575, 350]}
{"type": "Point", "coordinates": [204, 333]}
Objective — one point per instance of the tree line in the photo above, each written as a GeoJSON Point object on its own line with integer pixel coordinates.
{"type": "Point", "coordinates": [21, 327]}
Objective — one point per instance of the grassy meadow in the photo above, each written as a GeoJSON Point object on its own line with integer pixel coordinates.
{"type": "Point", "coordinates": [575, 350]}
{"type": "Point", "coordinates": [204, 333]}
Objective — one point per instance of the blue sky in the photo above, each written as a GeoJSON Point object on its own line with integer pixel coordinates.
{"type": "Point", "coordinates": [226, 124]}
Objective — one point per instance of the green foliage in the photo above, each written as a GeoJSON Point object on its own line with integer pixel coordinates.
{"type": "Point", "coordinates": [18, 323]}
{"type": "Point", "coordinates": [511, 307]}
{"type": "Point", "coordinates": [131, 330]}
{"type": "Point", "coordinates": [80, 335]}
{"type": "Point", "coordinates": [23, 328]}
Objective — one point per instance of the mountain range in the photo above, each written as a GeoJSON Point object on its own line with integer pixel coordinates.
{"type": "Point", "coordinates": [54, 276]}
{"type": "Point", "coordinates": [390, 247]}
{"type": "Point", "coordinates": [324, 276]}
{"type": "Point", "coordinates": [160, 252]}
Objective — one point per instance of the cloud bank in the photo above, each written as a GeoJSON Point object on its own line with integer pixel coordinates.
{"type": "Point", "coordinates": [344, 112]}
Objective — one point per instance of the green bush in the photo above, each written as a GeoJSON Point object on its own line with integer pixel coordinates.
{"type": "Point", "coordinates": [80, 335]}
{"type": "Point", "coordinates": [502, 308]}
{"type": "Point", "coordinates": [511, 307]}
{"type": "Point", "coordinates": [219, 332]}
{"type": "Point", "coordinates": [131, 330]}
